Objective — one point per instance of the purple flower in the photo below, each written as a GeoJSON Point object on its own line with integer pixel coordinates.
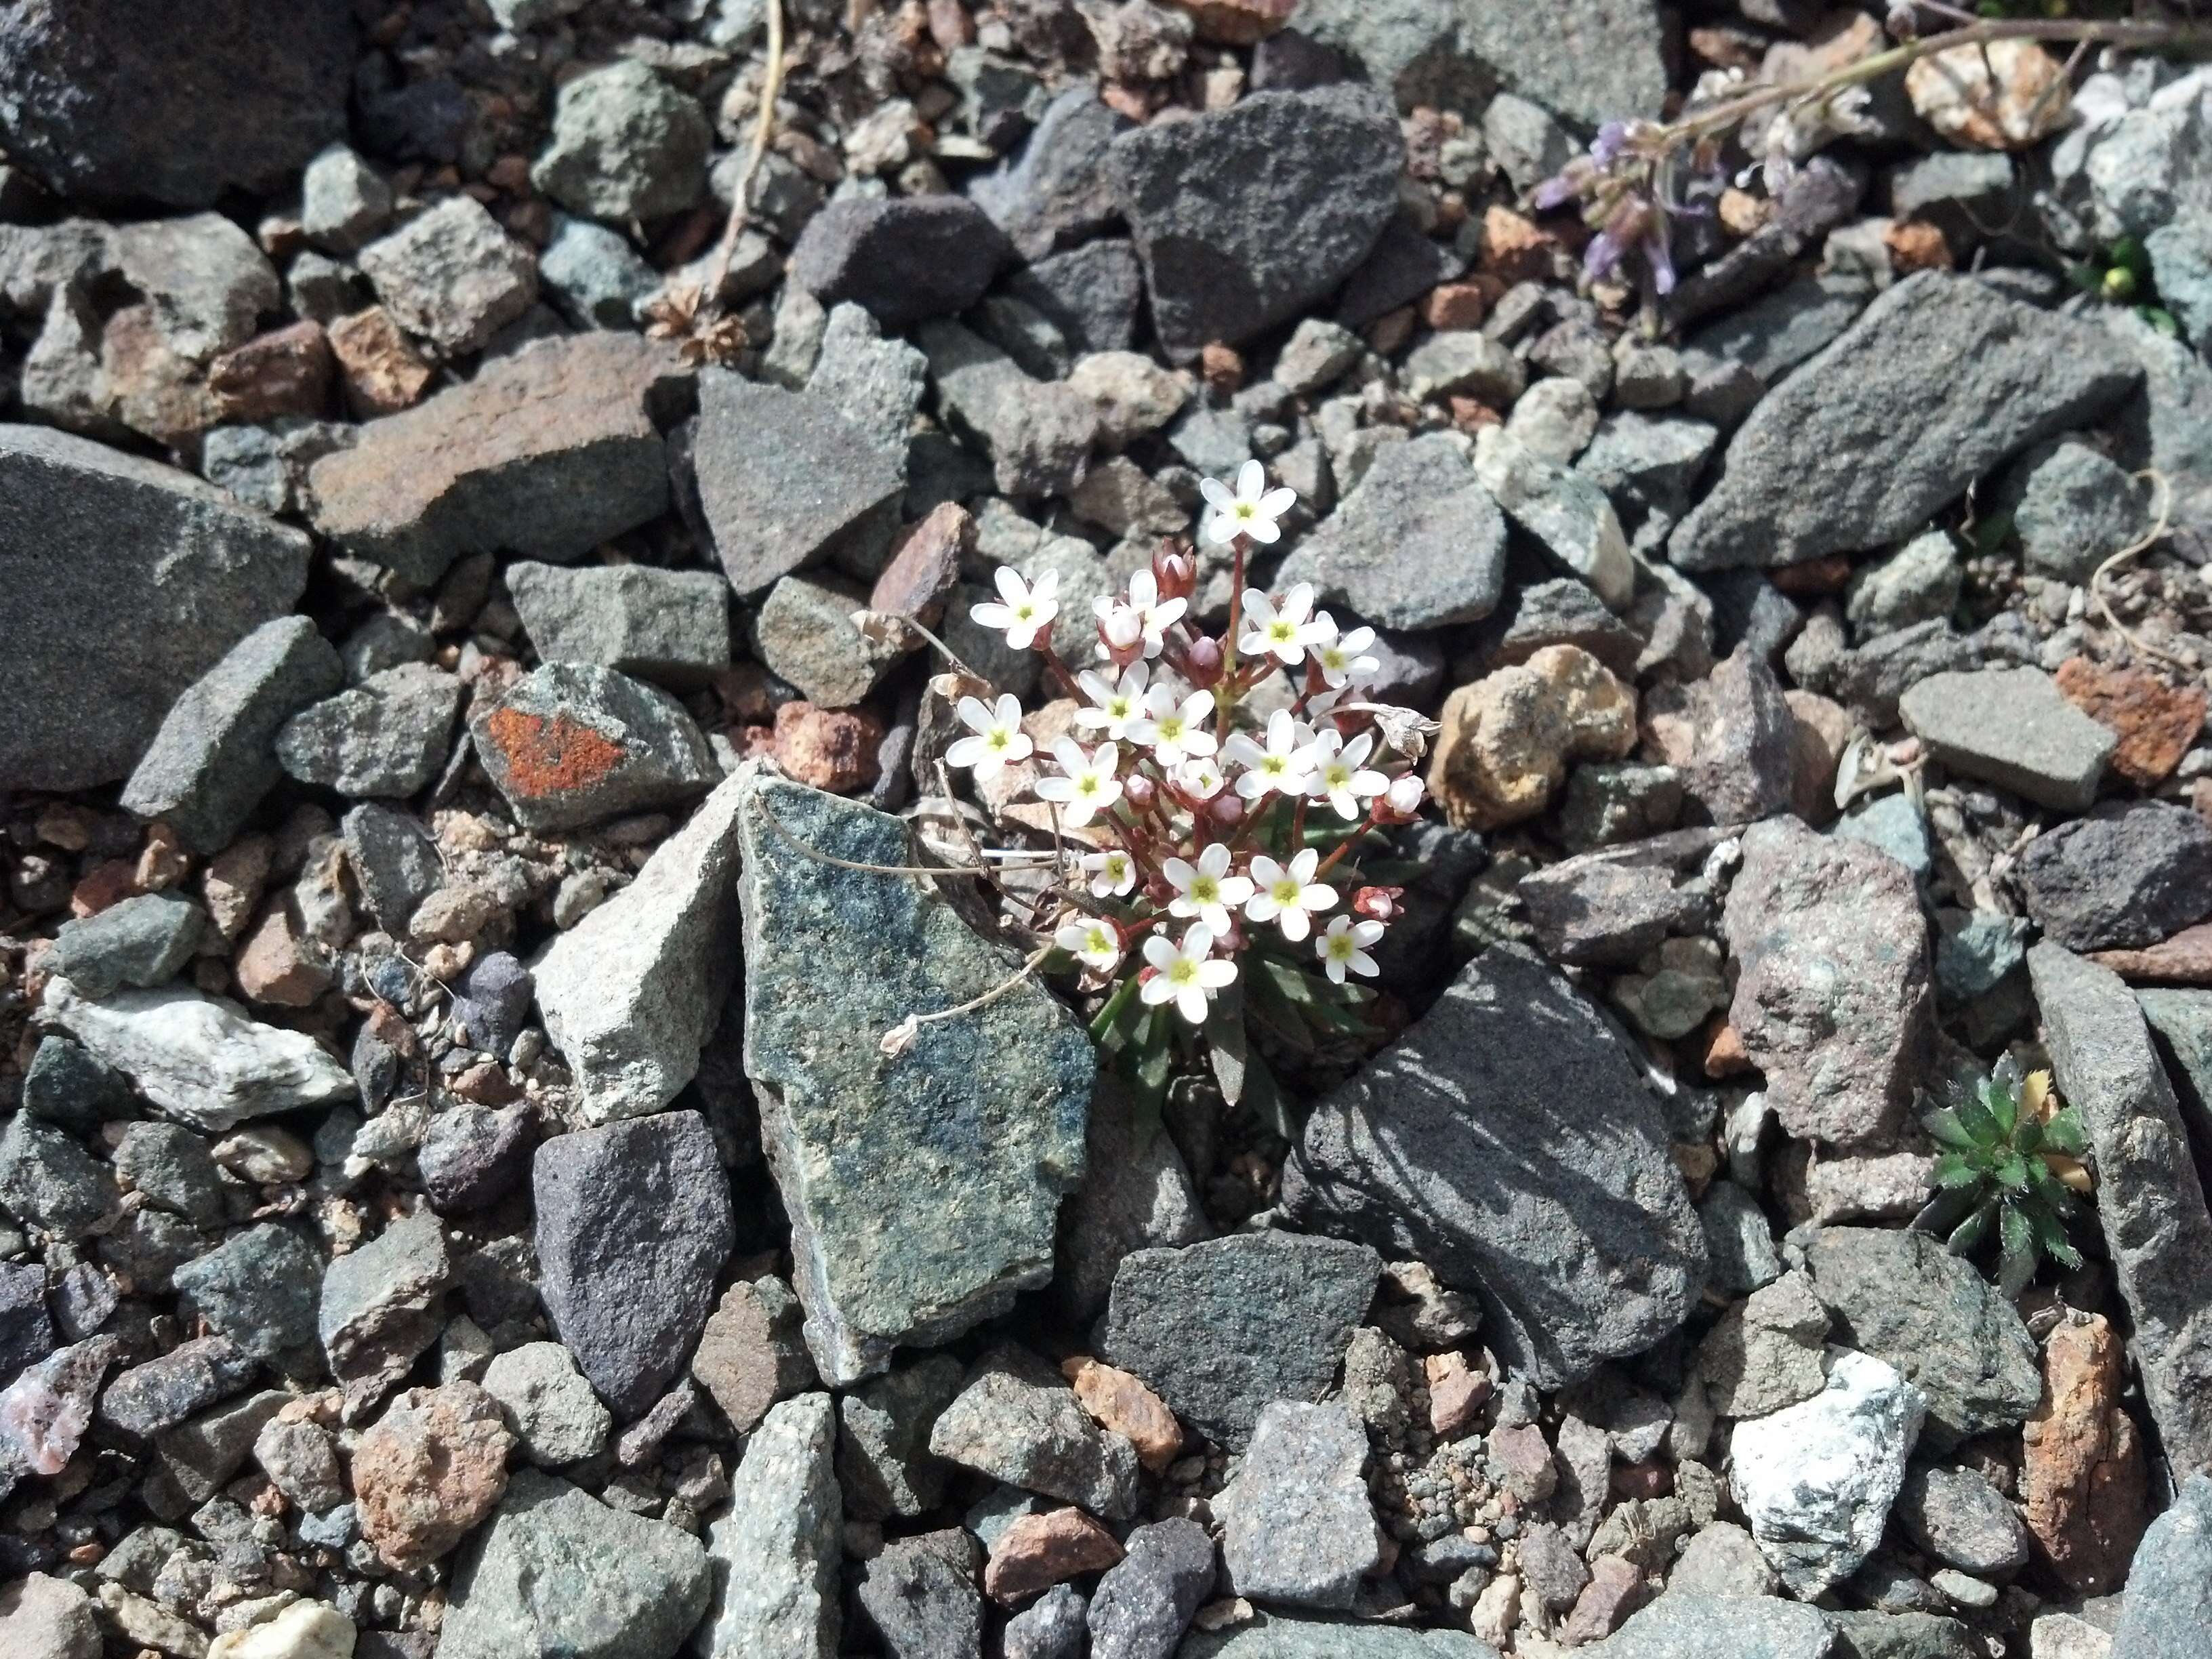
{"type": "Point", "coordinates": [1610, 142]}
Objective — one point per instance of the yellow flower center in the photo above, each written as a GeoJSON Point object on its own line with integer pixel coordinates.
{"type": "Point", "coordinates": [1183, 971]}
{"type": "Point", "coordinates": [1285, 891]}
{"type": "Point", "coordinates": [1172, 728]}
{"type": "Point", "coordinates": [998, 739]}
{"type": "Point", "coordinates": [1281, 631]}
{"type": "Point", "coordinates": [1204, 890]}
{"type": "Point", "coordinates": [1341, 946]}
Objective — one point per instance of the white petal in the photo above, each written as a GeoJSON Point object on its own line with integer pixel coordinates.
{"type": "Point", "coordinates": [1191, 1004]}
{"type": "Point", "coordinates": [1217, 493]}
{"type": "Point", "coordinates": [966, 752]}
{"type": "Point", "coordinates": [1155, 991]}
{"type": "Point", "coordinates": [1279, 501]}
{"type": "Point", "coordinates": [1199, 941]}
{"type": "Point", "coordinates": [1011, 588]}
{"type": "Point", "coordinates": [1251, 481]}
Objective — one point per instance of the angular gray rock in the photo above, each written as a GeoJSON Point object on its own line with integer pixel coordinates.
{"type": "Point", "coordinates": [1508, 1140]}
{"type": "Point", "coordinates": [904, 259]}
{"type": "Point", "coordinates": [1958, 1516]}
{"type": "Point", "coordinates": [548, 1404]}
{"type": "Point", "coordinates": [386, 737]}
{"type": "Point", "coordinates": [1297, 1527]}
{"type": "Point", "coordinates": [785, 481]}
{"type": "Point", "coordinates": [130, 580]}
{"type": "Point", "coordinates": [1834, 996]}
{"type": "Point", "coordinates": [143, 940]}
{"type": "Point", "coordinates": [379, 1308]}
{"type": "Point", "coordinates": [2150, 1204]}
{"type": "Point", "coordinates": [1221, 1328]}
{"type": "Point", "coordinates": [1038, 433]}
{"type": "Point", "coordinates": [1216, 259]}
{"type": "Point", "coordinates": [1736, 752]}
{"type": "Point", "coordinates": [667, 625]}
{"type": "Point", "coordinates": [1056, 190]}
{"type": "Point", "coordinates": [559, 1572]}
{"type": "Point", "coordinates": [1683, 1626]}
{"type": "Point", "coordinates": [1272, 1636]}
{"type": "Point", "coordinates": [874, 383]}
{"type": "Point", "coordinates": [550, 449]}
{"type": "Point", "coordinates": [2072, 507]}
{"type": "Point", "coordinates": [1051, 1627]}
{"type": "Point", "coordinates": [571, 743]}
{"type": "Point", "coordinates": [991, 1104]}
{"type": "Point", "coordinates": [1905, 1299]}
{"type": "Point", "coordinates": [919, 1597]}
{"type": "Point", "coordinates": [1816, 1479]}
{"type": "Point", "coordinates": [2168, 1608]}
{"type": "Point", "coordinates": [883, 1461]}
{"type": "Point", "coordinates": [394, 862]}
{"type": "Point", "coordinates": [50, 1182]}
{"type": "Point", "coordinates": [625, 146]}
{"type": "Point", "coordinates": [1145, 1601]}
{"type": "Point", "coordinates": [1091, 294]}
{"type": "Point", "coordinates": [344, 201]}
{"type": "Point", "coordinates": [2011, 727]}
{"type": "Point", "coordinates": [2126, 876]}
{"type": "Point", "coordinates": [1940, 380]}
{"type": "Point", "coordinates": [110, 100]}
{"type": "Point", "coordinates": [1017, 1421]}
{"type": "Point", "coordinates": [259, 1288]}
{"type": "Point", "coordinates": [198, 1058]}
{"type": "Point", "coordinates": [775, 1554]}
{"type": "Point", "coordinates": [1133, 1197]}
{"type": "Point", "coordinates": [1571, 518]}
{"type": "Point", "coordinates": [631, 993]}
{"type": "Point", "coordinates": [452, 276]}
{"type": "Point", "coordinates": [632, 1223]}
{"type": "Point", "coordinates": [1419, 544]}
{"type": "Point", "coordinates": [215, 755]}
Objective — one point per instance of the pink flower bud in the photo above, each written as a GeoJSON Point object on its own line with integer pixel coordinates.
{"type": "Point", "coordinates": [1202, 663]}
{"type": "Point", "coordinates": [1175, 570]}
{"type": "Point", "coordinates": [1226, 810]}
{"type": "Point", "coordinates": [1140, 791]}
{"type": "Point", "coordinates": [1379, 903]}
{"type": "Point", "coordinates": [1401, 803]}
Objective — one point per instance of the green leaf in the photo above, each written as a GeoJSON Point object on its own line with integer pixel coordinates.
{"type": "Point", "coordinates": [1266, 1099]}
{"type": "Point", "coordinates": [2015, 1232]}
{"type": "Point", "coordinates": [2063, 1133]}
{"type": "Point", "coordinates": [1991, 532]}
{"type": "Point", "coordinates": [1969, 1233]}
{"type": "Point", "coordinates": [1152, 1063]}
{"type": "Point", "coordinates": [1226, 1041]}
{"type": "Point", "coordinates": [2161, 320]}
{"type": "Point", "coordinates": [2011, 1171]}
{"type": "Point", "coordinates": [2051, 1234]}
{"type": "Point", "coordinates": [1266, 1005]}
{"type": "Point", "coordinates": [1944, 1125]}
{"type": "Point", "coordinates": [2004, 1108]}
{"type": "Point", "coordinates": [1108, 1027]}
{"type": "Point", "coordinates": [1952, 1171]}
{"type": "Point", "coordinates": [2027, 1135]}
{"type": "Point", "coordinates": [1979, 1122]}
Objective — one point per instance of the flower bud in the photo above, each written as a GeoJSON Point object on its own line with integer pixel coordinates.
{"type": "Point", "coordinates": [1401, 803]}
{"type": "Point", "coordinates": [1202, 663]}
{"type": "Point", "coordinates": [1122, 632]}
{"type": "Point", "coordinates": [1226, 810]}
{"type": "Point", "coordinates": [1379, 903]}
{"type": "Point", "coordinates": [1175, 570]}
{"type": "Point", "coordinates": [1140, 792]}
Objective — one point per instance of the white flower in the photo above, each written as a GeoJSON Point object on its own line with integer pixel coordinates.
{"type": "Point", "coordinates": [1120, 629]}
{"type": "Point", "coordinates": [999, 741]}
{"type": "Point", "coordinates": [1344, 946]}
{"type": "Point", "coordinates": [1286, 894]}
{"type": "Point", "coordinates": [1095, 945]}
{"type": "Point", "coordinates": [1185, 975]}
{"type": "Point", "coordinates": [1200, 778]}
{"type": "Point", "coordinates": [1281, 768]}
{"type": "Point", "coordinates": [1157, 614]}
{"type": "Point", "coordinates": [1342, 658]}
{"type": "Point", "coordinates": [1206, 889]}
{"type": "Point", "coordinates": [1405, 795]}
{"type": "Point", "coordinates": [1283, 631]}
{"type": "Point", "coordinates": [1341, 776]}
{"type": "Point", "coordinates": [1116, 705]}
{"type": "Point", "coordinates": [1027, 610]}
{"type": "Point", "coordinates": [1113, 873]}
{"type": "Point", "coordinates": [1088, 784]}
{"type": "Point", "coordinates": [1171, 728]}
{"type": "Point", "coordinates": [1250, 509]}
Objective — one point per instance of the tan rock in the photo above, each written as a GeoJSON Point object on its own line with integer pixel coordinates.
{"type": "Point", "coordinates": [428, 1470]}
{"type": "Point", "coordinates": [286, 371]}
{"type": "Point", "coordinates": [1117, 1401]}
{"type": "Point", "coordinates": [384, 374]}
{"type": "Point", "coordinates": [305, 1630]}
{"type": "Point", "coordinates": [751, 1355]}
{"type": "Point", "coordinates": [2185, 959]}
{"type": "Point", "coordinates": [234, 881]}
{"type": "Point", "coordinates": [926, 567]}
{"type": "Point", "coordinates": [1615, 1590]}
{"type": "Point", "coordinates": [1508, 737]}
{"type": "Point", "coordinates": [2005, 95]}
{"type": "Point", "coordinates": [1457, 1394]}
{"type": "Point", "coordinates": [1039, 1551]}
{"type": "Point", "coordinates": [2083, 1479]}
{"type": "Point", "coordinates": [277, 966]}
{"type": "Point", "coordinates": [834, 750]}
{"type": "Point", "coordinates": [2157, 723]}
{"type": "Point", "coordinates": [47, 1617]}
{"type": "Point", "coordinates": [1824, 732]}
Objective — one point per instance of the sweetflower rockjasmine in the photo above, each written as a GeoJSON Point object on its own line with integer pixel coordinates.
{"type": "Point", "coordinates": [1187, 975]}
{"type": "Point", "coordinates": [1205, 889]}
{"type": "Point", "coordinates": [1026, 612]}
{"type": "Point", "coordinates": [1288, 894]}
{"type": "Point", "coordinates": [1115, 705]}
{"type": "Point", "coordinates": [1173, 727]}
{"type": "Point", "coordinates": [1343, 658]}
{"type": "Point", "coordinates": [1250, 509]}
{"type": "Point", "coordinates": [1087, 784]}
{"type": "Point", "coordinates": [998, 741]}
{"type": "Point", "coordinates": [1096, 944]}
{"type": "Point", "coordinates": [1283, 631]}
{"type": "Point", "coordinates": [1280, 766]}
{"type": "Point", "coordinates": [1343, 948]}
{"type": "Point", "coordinates": [1113, 873]}
{"type": "Point", "coordinates": [1341, 776]}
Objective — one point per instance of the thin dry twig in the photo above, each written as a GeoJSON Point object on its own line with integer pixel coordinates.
{"type": "Point", "coordinates": [2161, 523]}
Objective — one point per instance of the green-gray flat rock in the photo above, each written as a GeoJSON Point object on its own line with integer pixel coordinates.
{"type": "Point", "coordinates": [923, 1187]}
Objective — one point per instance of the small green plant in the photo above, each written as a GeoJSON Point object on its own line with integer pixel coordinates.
{"type": "Point", "coordinates": [2010, 1167]}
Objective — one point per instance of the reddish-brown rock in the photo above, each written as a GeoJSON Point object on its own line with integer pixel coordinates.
{"type": "Point", "coordinates": [835, 750]}
{"type": "Point", "coordinates": [1615, 1590]}
{"type": "Point", "coordinates": [2185, 959]}
{"type": "Point", "coordinates": [1455, 305]}
{"type": "Point", "coordinates": [384, 373]}
{"type": "Point", "coordinates": [428, 1470]}
{"type": "Point", "coordinates": [1915, 245]}
{"type": "Point", "coordinates": [1119, 1402]}
{"type": "Point", "coordinates": [1513, 249]}
{"type": "Point", "coordinates": [2082, 1478]}
{"type": "Point", "coordinates": [1237, 22]}
{"type": "Point", "coordinates": [1456, 1394]}
{"type": "Point", "coordinates": [926, 569]}
{"type": "Point", "coordinates": [277, 966]}
{"type": "Point", "coordinates": [1039, 1551]}
{"type": "Point", "coordinates": [2156, 722]}
{"type": "Point", "coordinates": [286, 371]}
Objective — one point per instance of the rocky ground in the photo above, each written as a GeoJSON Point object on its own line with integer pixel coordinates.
{"type": "Point", "coordinates": [453, 1199]}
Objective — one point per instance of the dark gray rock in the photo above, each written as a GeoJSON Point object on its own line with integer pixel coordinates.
{"type": "Point", "coordinates": [572, 743]}
{"type": "Point", "coordinates": [109, 100]}
{"type": "Point", "coordinates": [1133, 1197]}
{"type": "Point", "coordinates": [1681, 1625]}
{"type": "Point", "coordinates": [1220, 1328]}
{"type": "Point", "coordinates": [1038, 433]}
{"type": "Point", "coordinates": [1216, 261]}
{"type": "Point", "coordinates": [215, 755]}
{"type": "Point", "coordinates": [2072, 508]}
{"type": "Point", "coordinates": [259, 1288]}
{"type": "Point", "coordinates": [672, 625]}
{"type": "Point", "coordinates": [1559, 611]}
{"type": "Point", "coordinates": [1144, 1603]}
{"type": "Point", "coordinates": [394, 862]}
{"type": "Point", "coordinates": [131, 581]}
{"type": "Point", "coordinates": [386, 737]}
{"type": "Point", "coordinates": [48, 1181]}
{"type": "Point", "coordinates": [162, 1393]}
{"type": "Point", "coordinates": [2011, 727]}
{"type": "Point", "coordinates": [625, 146]}
{"type": "Point", "coordinates": [27, 1332]}
{"type": "Point", "coordinates": [1904, 1299]}
{"type": "Point", "coordinates": [143, 940]}
{"type": "Point", "coordinates": [922, 1604]}
{"type": "Point", "coordinates": [1404, 265]}
{"type": "Point", "coordinates": [2168, 1606]}
{"type": "Point", "coordinates": [67, 1086]}
{"type": "Point", "coordinates": [2126, 876]}
{"type": "Point", "coordinates": [1508, 1140]}
{"type": "Point", "coordinates": [452, 276]}
{"type": "Point", "coordinates": [1089, 293]}
{"type": "Point", "coordinates": [1730, 737]}
{"type": "Point", "coordinates": [491, 1005]}
{"type": "Point", "coordinates": [593, 275]}
{"type": "Point", "coordinates": [1610, 907]}
{"type": "Point", "coordinates": [2150, 1204]}
{"type": "Point", "coordinates": [785, 481]}
{"type": "Point", "coordinates": [1273, 1636]}
{"type": "Point", "coordinates": [1055, 190]}
{"type": "Point", "coordinates": [632, 1223]}
{"type": "Point", "coordinates": [559, 1572]}
{"type": "Point", "coordinates": [1418, 543]}
{"type": "Point", "coordinates": [875, 383]}
{"type": "Point", "coordinates": [1833, 995]}
{"type": "Point", "coordinates": [379, 1308]}
{"type": "Point", "coordinates": [993, 1104]}
{"type": "Point", "coordinates": [1647, 464]}
{"type": "Point", "coordinates": [1016, 1421]}
{"type": "Point", "coordinates": [1051, 1627]}
{"type": "Point", "coordinates": [1958, 1516]}
{"type": "Point", "coordinates": [883, 1460]}
{"type": "Point", "coordinates": [472, 1157]}
{"type": "Point", "coordinates": [904, 258]}
{"type": "Point", "coordinates": [1941, 379]}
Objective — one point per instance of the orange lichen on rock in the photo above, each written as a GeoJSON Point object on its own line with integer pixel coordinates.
{"type": "Point", "coordinates": [551, 756]}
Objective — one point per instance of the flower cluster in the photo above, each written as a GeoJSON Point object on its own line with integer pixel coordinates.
{"type": "Point", "coordinates": [1203, 830]}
